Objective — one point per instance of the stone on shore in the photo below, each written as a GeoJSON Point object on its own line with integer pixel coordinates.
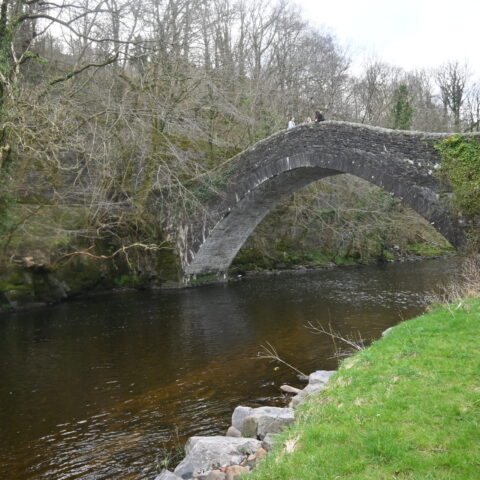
{"type": "Point", "coordinates": [239, 415]}
{"type": "Point", "coordinates": [207, 453]}
{"type": "Point", "coordinates": [268, 441]}
{"type": "Point", "coordinates": [228, 457]}
{"type": "Point", "coordinates": [216, 475]}
{"type": "Point", "coordinates": [320, 376]}
{"type": "Point", "coordinates": [234, 472]}
{"type": "Point", "coordinates": [289, 389]}
{"type": "Point", "coordinates": [167, 475]}
{"type": "Point", "coordinates": [305, 393]}
{"type": "Point", "coordinates": [233, 432]}
{"type": "Point", "coordinates": [265, 420]}
{"type": "Point", "coordinates": [317, 382]}
{"type": "Point", "coordinates": [260, 454]}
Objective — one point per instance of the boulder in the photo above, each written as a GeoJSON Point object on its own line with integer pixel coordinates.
{"type": "Point", "coordinates": [202, 476]}
{"type": "Point", "coordinates": [260, 454]}
{"type": "Point", "coordinates": [320, 376]}
{"type": "Point", "coordinates": [316, 383]}
{"type": "Point", "coordinates": [265, 420]}
{"type": "Point", "coordinates": [310, 389]}
{"type": "Point", "coordinates": [239, 415]}
{"type": "Point", "coordinates": [234, 472]}
{"type": "Point", "coordinates": [233, 432]}
{"type": "Point", "coordinates": [289, 389]}
{"type": "Point", "coordinates": [268, 441]}
{"type": "Point", "coordinates": [216, 475]}
{"type": "Point", "coordinates": [252, 460]}
{"type": "Point", "coordinates": [167, 475]}
{"type": "Point", "coordinates": [207, 453]}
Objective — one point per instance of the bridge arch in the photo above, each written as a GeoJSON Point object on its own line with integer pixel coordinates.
{"type": "Point", "coordinates": [402, 163]}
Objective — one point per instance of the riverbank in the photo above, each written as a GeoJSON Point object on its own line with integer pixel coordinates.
{"type": "Point", "coordinates": [406, 407]}
{"type": "Point", "coordinates": [252, 260]}
{"type": "Point", "coordinates": [41, 278]}
{"type": "Point", "coordinates": [31, 283]}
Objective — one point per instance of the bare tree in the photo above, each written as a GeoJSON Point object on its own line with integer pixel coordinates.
{"type": "Point", "coordinates": [373, 92]}
{"type": "Point", "coordinates": [472, 108]}
{"type": "Point", "coordinates": [118, 113]}
{"type": "Point", "coordinates": [452, 79]}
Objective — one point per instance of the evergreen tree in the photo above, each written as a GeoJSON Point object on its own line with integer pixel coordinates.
{"type": "Point", "coordinates": [402, 111]}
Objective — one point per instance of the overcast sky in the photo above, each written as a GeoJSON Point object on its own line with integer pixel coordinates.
{"type": "Point", "coordinates": [408, 33]}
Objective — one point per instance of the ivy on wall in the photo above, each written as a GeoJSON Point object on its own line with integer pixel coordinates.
{"type": "Point", "coordinates": [460, 167]}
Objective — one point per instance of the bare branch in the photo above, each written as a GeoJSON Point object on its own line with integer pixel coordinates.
{"type": "Point", "coordinates": [87, 252]}
{"type": "Point", "coordinates": [269, 352]}
{"type": "Point", "coordinates": [355, 343]}
{"type": "Point", "coordinates": [71, 74]}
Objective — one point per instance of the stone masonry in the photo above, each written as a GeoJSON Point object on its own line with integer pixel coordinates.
{"type": "Point", "coordinates": [403, 163]}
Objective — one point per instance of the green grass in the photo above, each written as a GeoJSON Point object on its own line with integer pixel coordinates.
{"type": "Point", "coordinates": [429, 250]}
{"type": "Point", "coordinates": [282, 257]}
{"type": "Point", "coordinates": [204, 279]}
{"type": "Point", "coordinates": [408, 407]}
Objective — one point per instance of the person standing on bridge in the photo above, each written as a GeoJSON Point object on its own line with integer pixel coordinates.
{"type": "Point", "coordinates": [291, 123]}
{"type": "Point", "coordinates": [319, 116]}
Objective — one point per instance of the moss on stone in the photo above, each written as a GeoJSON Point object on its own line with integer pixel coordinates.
{"type": "Point", "coordinates": [429, 250]}
{"type": "Point", "coordinates": [129, 281]}
{"type": "Point", "coordinates": [168, 266]}
{"type": "Point", "coordinates": [7, 287]}
{"type": "Point", "coordinates": [204, 279]}
{"type": "Point", "coordinates": [83, 274]}
{"type": "Point", "coordinates": [283, 256]}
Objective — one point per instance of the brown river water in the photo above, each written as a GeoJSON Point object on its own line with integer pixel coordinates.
{"type": "Point", "coordinates": [102, 387]}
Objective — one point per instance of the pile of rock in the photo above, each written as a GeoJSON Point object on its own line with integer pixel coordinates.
{"type": "Point", "coordinates": [247, 442]}
{"type": "Point", "coordinates": [316, 383]}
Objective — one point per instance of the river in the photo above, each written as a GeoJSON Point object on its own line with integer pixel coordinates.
{"type": "Point", "coordinates": [104, 387]}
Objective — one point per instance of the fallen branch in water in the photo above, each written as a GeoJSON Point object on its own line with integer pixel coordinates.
{"type": "Point", "coordinates": [269, 352]}
{"type": "Point", "coordinates": [355, 343]}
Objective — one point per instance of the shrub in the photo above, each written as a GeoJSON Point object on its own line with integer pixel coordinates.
{"type": "Point", "coordinates": [461, 169]}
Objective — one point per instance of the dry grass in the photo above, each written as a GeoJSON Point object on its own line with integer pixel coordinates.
{"type": "Point", "coordinates": [467, 285]}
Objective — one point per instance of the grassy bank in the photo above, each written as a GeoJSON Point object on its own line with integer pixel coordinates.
{"type": "Point", "coordinates": [251, 259]}
{"type": "Point", "coordinates": [408, 407]}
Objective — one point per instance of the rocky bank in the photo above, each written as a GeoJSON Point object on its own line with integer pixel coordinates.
{"type": "Point", "coordinates": [248, 440]}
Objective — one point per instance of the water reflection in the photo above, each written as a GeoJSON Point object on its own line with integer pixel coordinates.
{"type": "Point", "coordinates": [92, 389]}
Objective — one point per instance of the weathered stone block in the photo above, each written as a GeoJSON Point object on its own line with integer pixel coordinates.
{"type": "Point", "coordinates": [320, 376]}
{"type": "Point", "coordinates": [216, 475]}
{"type": "Point", "coordinates": [265, 420]}
{"type": "Point", "coordinates": [208, 453]}
{"type": "Point", "coordinates": [235, 471]}
{"type": "Point", "coordinates": [310, 389]}
{"type": "Point", "coordinates": [268, 441]}
{"type": "Point", "coordinates": [167, 475]}
{"type": "Point", "coordinates": [233, 432]}
{"type": "Point", "coordinates": [239, 415]}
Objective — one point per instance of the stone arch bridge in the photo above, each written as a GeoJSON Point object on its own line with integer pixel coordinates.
{"type": "Point", "coordinates": [255, 181]}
